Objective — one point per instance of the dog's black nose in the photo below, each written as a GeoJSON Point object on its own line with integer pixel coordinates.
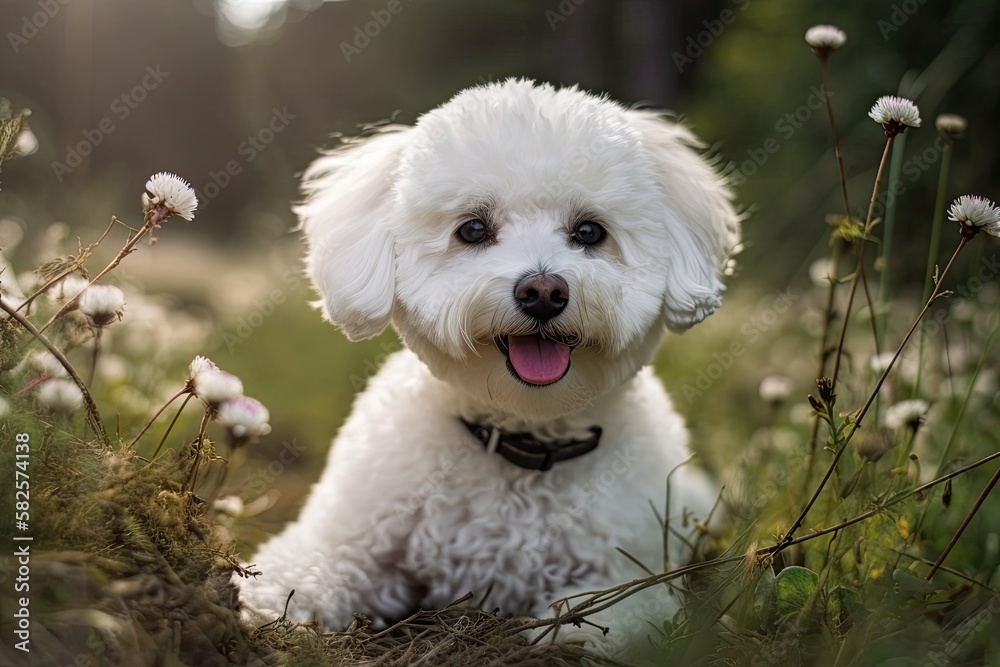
{"type": "Point", "coordinates": [542, 296]}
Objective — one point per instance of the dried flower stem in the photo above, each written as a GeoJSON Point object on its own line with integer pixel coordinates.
{"type": "Point", "coordinates": [93, 415]}
{"type": "Point", "coordinates": [965, 524]}
{"type": "Point", "coordinates": [199, 444]}
{"type": "Point", "coordinates": [935, 244]}
{"type": "Point", "coordinates": [861, 253]}
{"type": "Point", "coordinates": [77, 265]}
{"type": "Point", "coordinates": [159, 412]}
{"type": "Point", "coordinates": [170, 426]}
{"type": "Point", "coordinates": [600, 600]}
{"type": "Point", "coordinates": [871, 398]}
{"type": "Point", "coordinates": [153, 218]}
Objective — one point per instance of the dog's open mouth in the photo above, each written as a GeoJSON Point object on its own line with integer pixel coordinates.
{"type": "Point", "coordinates": [536, 359]}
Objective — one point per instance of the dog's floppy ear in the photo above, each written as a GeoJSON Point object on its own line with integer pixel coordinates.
{"type": "Point", "coordinates": [347, 218]}
{"type": "Point", "coordinates": [703, 227]}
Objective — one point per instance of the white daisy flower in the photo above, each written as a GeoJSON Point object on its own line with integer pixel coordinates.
{"type": "Point", "coordinates": [59, 395]}
{"type": "Point", "coordinates": [825, 37]}
{"type": "Point", "coordinates": [976, 213]}
{"type": "Point", "coordinates": [951, 125]}
{"type": "Point", "coordinates": [103, 304]}
{"type": "Point", "coordinates": [895, 114]}
{"type": "Point", "coordinates": [245, 417]}
{"type": "Point", "coordinates": [906, 414]}
{"type": "Point", "coordinates": [775, 388]}
{"type": "Point", "coordinates": [174, 193]}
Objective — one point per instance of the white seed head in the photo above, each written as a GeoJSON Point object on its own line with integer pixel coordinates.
{"type": "Point", "coordinates": [245, 417]}
{"type": "Point", "coordinates": [46, 364]}
{"type": "Point", "coordinates": [59, 395]}
{"type": "Point", "coordinates": [906, 414]}
{"type": "Point", "coordinates": [215, 386]}
{"type": "Point", "coordinates": [896, 112]}
{"type": "Point", "coordinates": [880, 362]}
{"type": "Point", "coordinates": [174, 193]}
{"type": "Point", "coordinates": [68, 288]}
{"type": "Point", "coordinates": [951, 125]}
{"type": "Point", "coordinates": [200, 365]}
{"type": "Point", "coordinates": [103, 304]}
{"type": "Point", "coordinates": [827, 37]}
{"type": "Point", "coordinates": [977, 212]}
{"type": "Point", "coordinates": [775, 388]}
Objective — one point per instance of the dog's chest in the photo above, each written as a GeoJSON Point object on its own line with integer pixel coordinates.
{"type": "Point", "coordinates": [519, 535]}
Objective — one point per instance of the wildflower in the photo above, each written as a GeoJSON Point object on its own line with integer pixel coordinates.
{"type": "Point", "coordinates": [951, 126]}
{"type": "Point", "coordinates": [880, 362]}
{"type": "Point", "coordinates": [211, 384]}
{"type": "Point", "coordinates": [975, 214]}
{"type": "Point", "coordinates": [102, 304]}
{"type": "Point", "coordinates": [825, 39]}
{"type": "Point", "coordinates": [908, 414]}
{"type": "Point", "coordinates": [895, 114]}
{"type": "Point", "coordinates": [244, 417]}
{"type": "Point", "coordinates": [775, 388]}
{"type": "Point", "coordinates": [821, 272]}
{"type": "Point", "coordinates": [47, 365]}
{"type": "Point", "coordinates": [59, 395]}
{"type": "Point", "coordinates": [173, 193]}
{"type": "Point", "coordinates": [69, 287]}
{"type": "Point", "coordinates": [231, 505]}
{"type": "Point", "coordinates": [873, 445]}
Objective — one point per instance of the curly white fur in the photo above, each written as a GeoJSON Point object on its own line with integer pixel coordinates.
{"type": "Point", "coordinates": [411, 511]}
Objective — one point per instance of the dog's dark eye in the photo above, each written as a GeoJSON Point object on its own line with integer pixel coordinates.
{"type": "Point", "coordinates": [473, 231]}
{"type": "Point", "coordinates": [589, 233]}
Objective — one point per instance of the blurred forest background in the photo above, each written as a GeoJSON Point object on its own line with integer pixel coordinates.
{"type": "Point", "coordinates": [237, 95]}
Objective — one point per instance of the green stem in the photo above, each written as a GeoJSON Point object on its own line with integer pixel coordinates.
{"type": "Point", "coordinates": [895, 164]}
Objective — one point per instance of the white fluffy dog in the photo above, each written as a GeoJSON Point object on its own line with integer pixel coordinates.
{"type": "Point", "coordinates": [529, 244]}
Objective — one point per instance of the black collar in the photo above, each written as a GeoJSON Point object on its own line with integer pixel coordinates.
{"type": "Point", "coordinates": [526, 451]}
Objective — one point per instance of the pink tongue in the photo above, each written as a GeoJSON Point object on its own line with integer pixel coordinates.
{"type": "Point", "coordinates": [538, 360]}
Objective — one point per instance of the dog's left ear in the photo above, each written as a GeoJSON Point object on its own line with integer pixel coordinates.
{"type": "Point", "coordinates": [703, 227]}
{"type": "Point", "coordinates": [348, 218]}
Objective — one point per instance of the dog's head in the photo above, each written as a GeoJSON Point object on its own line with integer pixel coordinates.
{"type": "Point", "coordinates": [528, 243]}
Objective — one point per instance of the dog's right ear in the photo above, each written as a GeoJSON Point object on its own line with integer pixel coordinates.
{"type": "Point", "coordinates": [347, 217]}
